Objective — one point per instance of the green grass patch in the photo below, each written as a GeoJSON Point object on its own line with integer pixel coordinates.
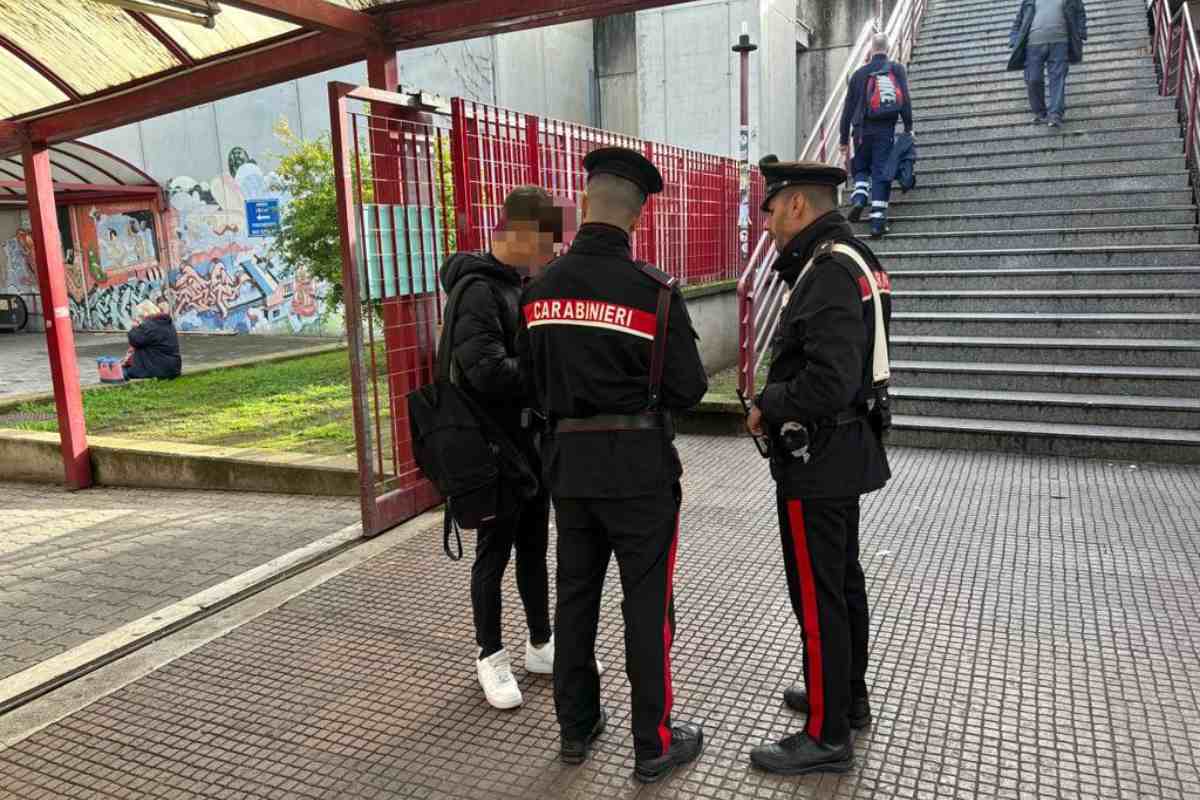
{"type": "Point", "coordinates": [302, 405]}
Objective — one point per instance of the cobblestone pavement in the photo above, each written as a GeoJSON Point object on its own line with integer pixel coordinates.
{"type": "Point", "coordinates": [25, 365]}
{"type": "Point", "coordinates": [1036, 628]}
{"type": "Point", "coordinates": [75, 565]}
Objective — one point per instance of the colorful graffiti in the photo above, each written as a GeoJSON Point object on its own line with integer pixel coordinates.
{"type": "Point", "coordinates": [16, 263]}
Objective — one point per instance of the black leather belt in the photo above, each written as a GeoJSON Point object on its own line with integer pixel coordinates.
{"type": "Point", "coordinates": [844, 418]}
{"type": "Point", "coordinates": [611, 422]}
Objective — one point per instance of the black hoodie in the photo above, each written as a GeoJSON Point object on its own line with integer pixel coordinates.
{"type": "Point", "coordinates": [485, 356]}
{"type": "Point", "coordinates": [155, 349]}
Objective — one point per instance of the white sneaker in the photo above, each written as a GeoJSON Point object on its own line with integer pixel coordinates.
{"type": "Point", "coordinates": [540, 660]}
{"type": "Point", "coordinates": [496, 678]}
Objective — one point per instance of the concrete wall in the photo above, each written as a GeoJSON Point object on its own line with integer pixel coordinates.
{"type": "Point", "coordinates": [714, 316]}
{"type": "Point", "coordinates": [833, 29]}
{"type": "Point", "coordinates": [616, 56]}
{"type": "Point", "coordinates": [689, 78]}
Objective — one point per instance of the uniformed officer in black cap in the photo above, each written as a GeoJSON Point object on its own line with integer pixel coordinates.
{"type": "Point", "coordinates": [824, 416]}
{"type": "Point", "coordinates": [591, 326]}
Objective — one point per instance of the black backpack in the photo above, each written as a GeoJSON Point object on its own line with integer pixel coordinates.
{"type": "Point", "coordinates": [460, 449]}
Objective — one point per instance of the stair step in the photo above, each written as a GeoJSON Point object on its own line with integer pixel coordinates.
{"type": "Point", "coordinates": [1159, 278]}
{"type": "Point", "coordinates": [1112, 442]}
{"type": "Point", "coordinates": [960, 22]}
{"type": "Point", "coordinates": [1066, 301]}
{"type": "Point", "coordinates": [1180, 413]}
{"type": "Point", "coordinates": [992, 119]}
{"type": "Point", "coordinates": [1041, 156]}
{"type": "Point", "coordinates": [1045, 200]}
{"type": "Point", "coordinates": [929, 88]}
{"type": "Point", "coordinates": [1010, 221]}
{"type": "Point", "coordinates": [1116, 48]}
{"type": "Point", "coordinates": [1125, 326]}
{"type": "Point", "coordinates": [1128, 236]}
{"type": "Point", "coordinates": [983, 191]}
{"type": "Point", "coordinates": [1064, 378]}
{"type": "Point", "coordinates": [945, 45]}
{"type": "Point", "coordinates": [998, 67]}
{"type": "Point", "coordinates": [1027, 258]}
{"type": "Point", "coordinates": [1026, 132]}
{"type": "Point", "coordinates": [1183, 353]}
{"type": "Point", "coordinates": [1013, 102]}
{"type": "Point", "coordinates": [1065, 167]}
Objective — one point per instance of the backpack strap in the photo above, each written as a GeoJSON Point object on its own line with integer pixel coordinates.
{"type": "Point", "coordinates": [662, 316]}
{"type": "Point", "coordinates": [449, 318]}
{"type": "Point", "coordinates": [880, 363]}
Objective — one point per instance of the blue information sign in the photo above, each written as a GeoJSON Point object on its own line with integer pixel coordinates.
{"type": "Point", "coordinates": [263, 217]}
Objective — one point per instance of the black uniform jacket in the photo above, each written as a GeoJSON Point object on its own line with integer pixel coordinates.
{"type": "Point", "coordinates": [485, 338]}
{"type": "Point", "coordinates": [820, 367]}
{"type": "Point", "coordinates": [155, 349]}
{"type": "Point", "coordinates": [589, 326]}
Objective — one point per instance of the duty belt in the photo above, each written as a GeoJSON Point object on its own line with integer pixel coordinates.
{"type": "Point", "coordinates": [650, 421]}
{"type": "Point", "coordinates": [843, 418]}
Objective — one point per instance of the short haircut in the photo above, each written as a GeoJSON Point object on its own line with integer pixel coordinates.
{"type": "Point", "coordinates": [880, 43]}
{"type": "Point", "coordinates": [614, 200]}
{"type": "Point", "coordinates": [146, 309]}
{"type": "Point", "coordinates": [529, 204]}
{"type": "Point", "coordinates": [822, 198]}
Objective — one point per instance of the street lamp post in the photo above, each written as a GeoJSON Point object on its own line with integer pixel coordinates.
{"type": "Point", "coordinates": [744, 48]}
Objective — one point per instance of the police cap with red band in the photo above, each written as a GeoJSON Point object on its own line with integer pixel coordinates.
{"type": "Point", "coordinates": [779, 175]}
{"type": "Point", "coordinates": [625, 163]}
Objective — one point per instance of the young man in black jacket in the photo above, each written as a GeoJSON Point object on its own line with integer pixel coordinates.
{"type": "Point", "coordinates": [877, 97]}
{"type": "Point", "coordinates": [485, 364]}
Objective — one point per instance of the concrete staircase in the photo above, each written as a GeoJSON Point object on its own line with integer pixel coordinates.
{"type": "Point", "coordinates": [1046, 282]}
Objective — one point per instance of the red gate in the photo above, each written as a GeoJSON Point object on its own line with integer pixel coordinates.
{"type": "Point", "coordinates": [391, 161]}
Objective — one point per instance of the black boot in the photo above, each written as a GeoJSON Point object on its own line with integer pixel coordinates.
{"type": "Point", "coordinates": [800, 754]}
{"type": "Point", "coordinates": [796, 699]}
{"type": "Point", "coordinates": [575, 751]}
{"type": "Point", "coordinates": [687, 740]}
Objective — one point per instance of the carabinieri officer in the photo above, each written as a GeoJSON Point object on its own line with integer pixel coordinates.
{"type": "Point", "coordinates": [599, 327]}
{"type": "Point", "coordinates": [824, 409]}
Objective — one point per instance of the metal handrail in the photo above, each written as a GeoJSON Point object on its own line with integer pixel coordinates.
{"type": "Point", "coordinates": [760, 290]}
{"type": "Point", "coordinates": [1176, 52]}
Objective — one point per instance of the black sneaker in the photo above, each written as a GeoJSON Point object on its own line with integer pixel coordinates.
{"type": "Point", "coordinates": [800, 754]}
{"type": "Point", "coordinates": [879, 229]}
{"type": "Point", "coordinates": [1055, 122]}
{"type": "Point", "coordinates": [687, 740]}
{"type": "Point", "coordinates": [1042, 120]}
{"type": "Point", "coordinates": [575, 751]}
{"type": "Point", "coordinates": [796, 699]}
{"type": "Point", "coordinates": [856, 210]}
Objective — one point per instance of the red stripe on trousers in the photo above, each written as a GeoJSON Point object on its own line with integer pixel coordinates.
{"type": "Point", "coordinates": [812, 621]}
{"type": "Point", "coordinates": [664, 730]}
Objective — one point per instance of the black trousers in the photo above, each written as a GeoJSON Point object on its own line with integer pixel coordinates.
{"type": "Point", "coordinates": [829, 595]}
{"type": "Point", "coordinates": [643, 533]}
{"type": "Point", "coordinates": [529, 532]}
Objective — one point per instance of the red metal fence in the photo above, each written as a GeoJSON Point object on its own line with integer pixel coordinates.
{"type": "Point", "coordinates": [689, 230]}
{"type": "Point", "coordinates": [1178, 63]}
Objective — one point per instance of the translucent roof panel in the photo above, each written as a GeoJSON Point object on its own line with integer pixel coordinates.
{"type": "Point", "coordinates": [90, 46]}
{"type": "Point", "coordinates": [22, 88]}
{"type": "Point", "coordinates": [234, 28]}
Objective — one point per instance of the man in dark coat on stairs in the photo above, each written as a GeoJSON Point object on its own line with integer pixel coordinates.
{"type": "Point", "coordinates": [1047, 37]}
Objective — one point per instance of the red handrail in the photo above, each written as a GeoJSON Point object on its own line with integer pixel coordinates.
{"type": "Point", "coordinates": [1177, 56]}
{"type": "Point", "coordinates": [760, 291]}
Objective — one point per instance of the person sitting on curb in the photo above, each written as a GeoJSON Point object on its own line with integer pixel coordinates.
{"type": "Point", "coordinates": [153, 345]}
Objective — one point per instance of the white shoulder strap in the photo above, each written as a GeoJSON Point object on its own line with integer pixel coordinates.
{"type": "Point", "coordinates": [881, 369]}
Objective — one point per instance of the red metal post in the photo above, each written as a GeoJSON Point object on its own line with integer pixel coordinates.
{"type": "Point", "coordinates": [1188, 140]}
{"type": "Point", "coordinates": [1164, 58]}
{"type": "Point", "coordinates": [1179, 69]}
{"type": "Point", "coordinates": [60, 339]}
{"type": "Point", "coordinates": [649, 226]}
{"type": "Point", "coordinates": [459, 156]}
{"type": "Point", "coordinates": [533, 149]}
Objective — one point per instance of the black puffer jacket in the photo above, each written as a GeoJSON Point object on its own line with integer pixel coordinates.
{"type": "Point", "coordinates": [485, 356]}
{"type": "Point", "coordinates": [155, 349]}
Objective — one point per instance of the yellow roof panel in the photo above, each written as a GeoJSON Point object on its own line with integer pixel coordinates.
{"type": "Point", "coordinates": [90, 46]}
{"type": "Point", "coordinates": [234, 28]}
{"type": "Point", "coordinates": [23, 89]}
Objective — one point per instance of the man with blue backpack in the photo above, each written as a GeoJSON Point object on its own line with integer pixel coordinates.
{"type": "Point", "coordinates": [878, 96]}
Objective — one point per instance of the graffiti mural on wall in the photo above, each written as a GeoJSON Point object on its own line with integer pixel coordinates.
{"type": "Point", "coordinates": [226, 278]}
{"type": "Point", "coordinates": [16, 262]}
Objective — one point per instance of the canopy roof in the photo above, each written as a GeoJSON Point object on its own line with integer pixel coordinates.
{"type": "Point", "coordinates": [73, 67]}
{"type": "Point", "coordinates": [80, 171]}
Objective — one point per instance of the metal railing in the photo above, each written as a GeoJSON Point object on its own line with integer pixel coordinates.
{"type": "Point", "coordinates": [760, 290]}
{"type": "Point", "coordinates": [1178, 64]}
